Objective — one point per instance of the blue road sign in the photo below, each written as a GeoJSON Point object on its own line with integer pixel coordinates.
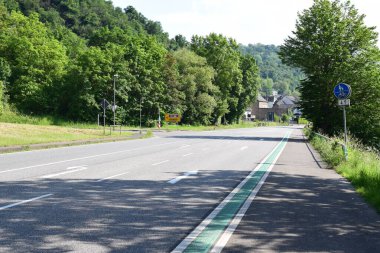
{"type": "Point", "coordinates": [342, 91]}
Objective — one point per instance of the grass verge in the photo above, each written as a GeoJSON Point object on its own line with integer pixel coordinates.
{"type": "Point", "coordinates": [362, 168]}
{"type": "Point", "coordinates": [26, 134]}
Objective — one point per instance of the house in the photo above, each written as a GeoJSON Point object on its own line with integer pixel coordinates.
{"type": "Point", "coordinates": [265, 109]}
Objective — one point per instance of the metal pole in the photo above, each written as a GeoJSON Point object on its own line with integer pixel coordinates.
{"type": "Point", "coordinates": [345, 132]}
{"type": "Point", "coordinates": [104, 120]}
{"type": "Point", "coordinates": [140, 112]}
{"type": "Point", "coordinates": [114, 105]}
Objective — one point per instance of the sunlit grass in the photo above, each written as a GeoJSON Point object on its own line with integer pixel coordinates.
{"type": "Point", "coordinates": [362, 168]}
{"type": "Point", "coordinates": [24, 134]}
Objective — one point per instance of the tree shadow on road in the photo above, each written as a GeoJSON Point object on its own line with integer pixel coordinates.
{"type": "Point", "coordinates": [108, 216]}
{"type": "Point", "coordinates": [298, 213]}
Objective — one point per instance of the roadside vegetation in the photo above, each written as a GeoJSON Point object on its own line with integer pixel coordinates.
{"type": "Point", "coordinates": [362, 168]}
{"type": "Point", "coordinates": [25, 134]}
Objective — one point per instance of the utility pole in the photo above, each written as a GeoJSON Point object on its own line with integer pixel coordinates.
{"type": "Point", "coordinates": [114, 96]}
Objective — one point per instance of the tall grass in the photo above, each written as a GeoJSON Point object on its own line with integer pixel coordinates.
{"type": "Point", "coordinates": [362, 168]}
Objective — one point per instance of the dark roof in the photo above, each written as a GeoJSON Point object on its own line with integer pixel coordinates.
{"type": "Point", "coordinates": [261, 99]}
{"type": "Point", "coordinates": [286, 101]}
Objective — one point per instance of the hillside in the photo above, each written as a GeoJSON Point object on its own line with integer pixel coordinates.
{"type": "Point", "coordinates": [275, 75]}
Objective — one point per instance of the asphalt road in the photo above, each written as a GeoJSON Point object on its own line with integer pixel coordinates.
{"type": "Point", "coordinates": [181, 192]}
{"type": "Point", "coordinates": [133, 196]}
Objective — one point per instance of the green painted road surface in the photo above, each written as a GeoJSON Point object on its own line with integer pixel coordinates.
{"type": "Point", "coordinates": [212, 232]}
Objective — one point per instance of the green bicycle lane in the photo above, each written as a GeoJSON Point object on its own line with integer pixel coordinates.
{"type": "Point", "coordinates": [206, 235]}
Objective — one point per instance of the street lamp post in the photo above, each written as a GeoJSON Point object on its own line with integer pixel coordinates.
{"type": "Point", "coordinates": [114, 96]}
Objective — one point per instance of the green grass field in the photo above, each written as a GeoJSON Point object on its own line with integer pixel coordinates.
{"type": "Point", "coordinates": [25, 134]}
{"type": "Point", "coordinates": [362, 168]}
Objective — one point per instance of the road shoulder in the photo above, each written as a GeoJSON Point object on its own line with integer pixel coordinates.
{"type": "Point", "coordinates": [306, 207]}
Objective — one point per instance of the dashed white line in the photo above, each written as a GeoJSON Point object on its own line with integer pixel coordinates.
{"type": "Point", "coordinates": [63, 173]}
{"type": "Point", "coordinates": [85, 157]}
{"type": "Point", "coordinates": [24, 201]}
{"type": "Point", "coordinates": [154, 164]}
{"type": "Point", "coordinates": [185, 175]}
{"type": "Point", "coordinates": [243, 148]}
{"type": "Point", "coordinates": [101, 180]}
{"type": "Point", "coordinates": [188, 154]}
{"type": "Point", "coordinates": [76, 167]}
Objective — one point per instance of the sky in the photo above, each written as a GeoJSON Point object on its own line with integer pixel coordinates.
{"type": "Point", "coordinates": [247, 21]}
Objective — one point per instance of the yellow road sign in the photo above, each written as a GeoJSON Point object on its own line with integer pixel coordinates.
{"type": "Point", "coordinates": [175, 118]}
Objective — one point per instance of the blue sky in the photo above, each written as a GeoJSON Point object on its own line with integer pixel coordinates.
{"type": "Point", "coordinates": [247, 21]}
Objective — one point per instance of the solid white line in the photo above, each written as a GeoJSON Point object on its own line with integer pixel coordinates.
{"type": "Point", "coordinates": [24, 201]}
{"type": "Point", "coordinates": [177, 179]}
{"type": "Point", "coordinates": [221, 243]}
{"type": "Point", "coordinates": [243, 148]}
{"type": "Point", "coordinates": [63, 173]}
{"type": "Point", "coordinates": [196, 232]}
{"type": "Point", "coordinates": [100, 180]}
{"type": "Point", "coordinates": [188, 154]}
{"type": "Point", "coordinates": [85, 157]}
{"type": "Point", "coordinates": [154, 164]}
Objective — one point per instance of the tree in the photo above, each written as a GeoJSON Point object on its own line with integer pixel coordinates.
{"type": "Point", "coordinates": [250, 84]}
{"type": "Point", "coordinates": [195, 88]}
{"type": "Point", "coordinates": [223, 55]}
{"type": "Point", "coordinates": [37, 62]}
{"type": "Point", "coordinates": [331, 44]}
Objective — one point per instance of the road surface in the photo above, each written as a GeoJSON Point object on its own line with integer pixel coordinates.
{"type": "Point", "coordinates": [176, 192]}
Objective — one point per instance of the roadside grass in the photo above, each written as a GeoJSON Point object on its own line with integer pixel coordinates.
{"type": "Point", "coordinates": [243, 124]}
{"type": "Point", "coordinates": [362, 168]}
{"type": "Point", "coordinates": [24, 134]}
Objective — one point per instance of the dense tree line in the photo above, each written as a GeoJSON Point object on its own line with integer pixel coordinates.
{"type": "Point", "coordinates": [331, 44]}
{"type": "Point", "coordinates": [62, 58]}
{"type": "Point", "coordinates": [275, 75]}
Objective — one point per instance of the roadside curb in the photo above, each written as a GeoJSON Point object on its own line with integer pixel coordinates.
{"type": "Point", "coordinates": [67, 143]}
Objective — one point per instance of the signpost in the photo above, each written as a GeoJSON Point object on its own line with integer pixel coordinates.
{"type": "Point", "coordinates": [174, 118]}
{"type": "Point", "coordinates": [342, 92]}
{"type": "Point", "coordinates": [104, 104]}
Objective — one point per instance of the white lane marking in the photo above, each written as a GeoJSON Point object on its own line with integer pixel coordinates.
{"type": "Point", "coordinates": [85, 157]}
{"type": "Point", "coordinates": [221, 243]}
{"type": "Point", "coordinates": [185, 175]}
{"type": "Point", "coordinates": [243, 148]}
{"type": "Point", "coordinates": [154, 164]}
{"type": "Point", "coordinates": [76, 167]}
{"type": "Point", "coordinates": [188, 154]}
{"type": "Point", "coordinates": [185, 146]}
{"type": "Point", "coordinates": [63, 173]}
{"type": "Point", "coordinates": [24, 201]}
{"type": "Point", "coordinates": [103, 179]}
{"type": "Point", "coordinates": [194, 234]}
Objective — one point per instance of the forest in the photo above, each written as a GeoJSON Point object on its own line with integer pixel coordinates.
{"type": "Point", "coordinates": [62, 58]}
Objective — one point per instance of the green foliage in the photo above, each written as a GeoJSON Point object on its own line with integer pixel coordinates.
{"type": "Point", "coordinates": [37, 62]}
{"type": "Point", "coordinates": [362, 168]}
{"type": "Point", "coordinates": [61, 58]}
{"type": "Point", "coordinates": [275, 75]}
{"type": "Point", "coordinates": [223, 55]}
{"type": "Point", "coordinates": [331, 44]}
{"type": "Point", "coordinates": [194, 87]}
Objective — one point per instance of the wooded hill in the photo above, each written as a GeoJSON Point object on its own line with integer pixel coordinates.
{"type": "Point", "coordinates": [62, 58]}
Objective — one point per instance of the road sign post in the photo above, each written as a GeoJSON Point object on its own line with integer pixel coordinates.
{"type": "Point", "coordinates": [342, 92]}
{"type": "Point", "coordinates": [104, 104]}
